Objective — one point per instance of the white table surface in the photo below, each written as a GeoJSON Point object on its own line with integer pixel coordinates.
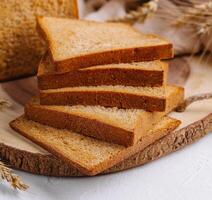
{"type": "Point", "coordinates": [184, 175]}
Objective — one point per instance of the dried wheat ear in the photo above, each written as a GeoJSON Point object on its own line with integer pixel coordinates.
{"type": "Point", "coordinates": [14, 180]}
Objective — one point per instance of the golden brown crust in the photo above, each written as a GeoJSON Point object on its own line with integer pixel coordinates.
{"type": "Point", "coordinates": [80, 124]}
{"type": "Point", "coordinates": [51, 166]}
{"type": "Point", "coordinates": [115, 56]}
{"type": "Point", "coordinates": [107, 76]}
{"type": "Point", "coordinates": [124, 154]}
{"type": "Point", "coordinates": [103, 98]}
{"type": "Point", "coordinates": [48, 78]}
{"type": "Point", "coordinates": [113, 76]}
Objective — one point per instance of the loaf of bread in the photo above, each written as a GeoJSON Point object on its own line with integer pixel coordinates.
{"type": "Point", "coordinates": [89, 156]}
{"type": "Point", "coordinates": [77, 44]}
{"type": "Point", "coordinates": [20, 46]}
{"type": "Point", "coordinates": [121, 126]}
{"type": "Point", "coordinates": [144, 74]}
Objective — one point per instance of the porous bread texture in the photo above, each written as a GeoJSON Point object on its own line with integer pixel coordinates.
{"type": "Point", "coordinates": [145, 74]}
{"type": "Point", "coordinates": [82, 43]}
{"type": "Point", "coordinates": [89, 155]}
{"type": "Point", "coordinates": [20, 46]}
{"type": "Point", "coordinates": [121, 126]}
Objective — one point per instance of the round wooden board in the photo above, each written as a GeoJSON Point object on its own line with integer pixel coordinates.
{"type": "Point", "coordinates": [22, 154]}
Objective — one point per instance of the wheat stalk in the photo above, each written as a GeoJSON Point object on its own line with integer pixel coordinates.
{"type": "Point", "coordinates": [140, 14]}
{"type": "Point", "coordinates": [14, 180]}
{"type": "Point", "coordinates": [193, 14]}
{"type": "Point", "coordinates": [4, 103]}
{"type": "Point", "coordinates": [199, 15]}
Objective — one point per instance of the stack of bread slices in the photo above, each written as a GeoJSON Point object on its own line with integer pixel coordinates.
{"type": "Point", "coordinates": [103, 93]}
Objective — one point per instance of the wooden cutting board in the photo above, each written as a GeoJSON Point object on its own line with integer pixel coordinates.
{"type": "Point", "coordinates": [22, 154]}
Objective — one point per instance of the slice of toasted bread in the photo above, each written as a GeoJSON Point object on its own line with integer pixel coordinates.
{"type": "Point", "coordinates": [144, 74]}
{"type": "Point", "coordinates": [77, 43]}
{"type": "Point", "coordinates": [121, 126]}
{"type": "Point", "coordinates": [89, 155]}
{"type": "Point", "coordinates": [147, 98]}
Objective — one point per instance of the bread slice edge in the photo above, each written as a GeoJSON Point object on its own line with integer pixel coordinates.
{"type": "Point", "coordinates": [147, 98]}
{"type": "Point", "coordinates": [131, 74]}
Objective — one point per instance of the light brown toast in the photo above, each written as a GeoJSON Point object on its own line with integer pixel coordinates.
{"type": "Point", "coordinates": [89, 156]}
{"type": "Point", "coordinates": [78, 44]}
{"type": "Point", "coordinates": [127, 97]}
{"type": "Point", "coordinates": [144, 74]}
{"type": "Point", "coordinates": [120, 126]}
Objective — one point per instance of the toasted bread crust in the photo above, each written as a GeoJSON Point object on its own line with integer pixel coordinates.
{"type": "Point", "coordinates": [113, 76]}
{"type": "Point", "coordinates": [132, 75]}
{"type": "Point", "coordinates": [103, 98]}
{"type": "Point", "coordinates": [116, 56]}
{"type": "Point", "coordinates": [79, 124]}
